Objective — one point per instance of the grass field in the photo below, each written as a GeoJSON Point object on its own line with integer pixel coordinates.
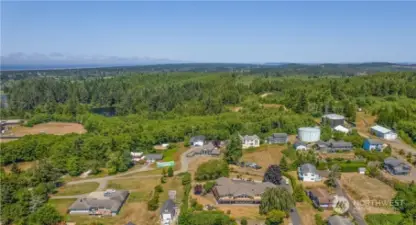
{"type": "Point", "coordinates": [264, 155]}
{"type": "Point", "coordinates": [61, 205]}
{"type": "Point", "coordinates": [307, 213]}
{"type": "Point", "coordinates": [139, 184]}
{"type": "Point", "coordinates": [376, 195]}
{"type": "Point", "coordinates": [56, 128]}
{"type": "Point", "coordinates": [364, 121]}
{"type": "Point", "coordinates": [77, 189]}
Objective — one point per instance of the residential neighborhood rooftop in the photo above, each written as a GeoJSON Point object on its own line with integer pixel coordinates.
{"type": "Point", "coordinates": [226, 186]}
{"type": "Point", "coordinates": [334, 116]}
{"type": "Point", "coordinates": [374, 142]}
{"type": "Point", "coordinates": [154, 156]}
{"type": "Point", "coordinates": [308, 168]}
{"type": "Point", "coordinates": [109, 199]}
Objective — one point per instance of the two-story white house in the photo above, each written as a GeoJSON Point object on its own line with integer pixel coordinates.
{"type": "Point", "coordinates": [168, 212]}
{"type": "Point", "coordinates": [307, 172]}
{"type": "Point", "coordinates": [250, 141]}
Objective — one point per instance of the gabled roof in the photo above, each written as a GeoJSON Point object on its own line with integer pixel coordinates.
{"type": "Point", "coordinates": [250, 137]}
{"type": "Point", "coordinates": [308, 168]}
{"type": "Point", "coordinates": [322, 195]}
{"type": "Point", "coordinates": [154, 156]}
{"type": "Point", "coordinates": [109, 199]}
{"type": "Point", "coordinates": [393, 161]}
{"type": "Point", "coordinates": [279, 135]}
{"type": "Point", "coordinates": [226, 186]}
{"type": "Point", "coordinates": [197, 138]}
{"type": "Point", "coordinates": [381, 129]}
{"type": "Point", "coordinates": [339, 144]}
{"type": "Point", "coordinates": [374, 142]}
{"type": "Point", "coordinates": [341, 129]}
{"type": "Point", "coordinates": [168, 207]}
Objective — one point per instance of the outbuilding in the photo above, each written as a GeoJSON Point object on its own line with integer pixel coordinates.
{"type": "Point", "coordinates": [333, 120]}
{"type": "Point", "coordinates": [383, 132]}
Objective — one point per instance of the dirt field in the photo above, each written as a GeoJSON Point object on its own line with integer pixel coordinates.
{"type": "Point", "coordinates": [265, 155]}
{"type": "Point", "coordinates": [364, 122]}
{"type": "Point", "coordinates": [138, 184]}
{"type": "Point", "coordinates": [56, 128]}
{"type": "Point", "coordinates": [375, 196]}
{"type": "Point", "coordinates": [21, 165]}
{"type": "Point", "coordinates": [347, 155]}
{"type": "Point", "coordinates": [307, 213]}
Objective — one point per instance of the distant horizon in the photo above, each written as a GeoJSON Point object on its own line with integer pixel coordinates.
{"type": "Point", "coordinates": [249, 32]}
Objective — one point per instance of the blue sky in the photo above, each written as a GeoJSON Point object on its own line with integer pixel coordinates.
{"type": "Point", "coordinates": [214, 31]}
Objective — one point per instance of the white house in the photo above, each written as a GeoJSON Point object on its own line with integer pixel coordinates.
{"type": "Point", "coordinates": [383, 132]}
{"type": "Point", "coordinates": [168, 212]}
{"type": "Point", "coordinates": [307, 172]}
{"type": "Point", "coordinates": [300, 146]}
{"type": "Point", "coordinates": [342, 129]}
{"type": "Point", "coordinates": [250, 141]}
{"type": "Point", "coordinates": [197, 140]}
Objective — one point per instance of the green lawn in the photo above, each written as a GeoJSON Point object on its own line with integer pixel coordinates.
{"type": "Point", "coordinates": [61, 205]}
{"type": "Point", "coordinates": [77, 189]}
{"type": "Point", "coordinates": [168, 155]}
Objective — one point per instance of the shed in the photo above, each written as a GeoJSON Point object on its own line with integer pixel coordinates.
{"type": "Point", "coordinates": [361, 170]}
{"type": "Point", "coordinates": [154, 157]}
{"type": "Point", "coordinates": [383, 132]}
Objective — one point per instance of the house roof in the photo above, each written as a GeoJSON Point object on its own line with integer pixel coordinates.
{"type": "Point", "coordinates": [299, 143]}
{"type": "Point", "coordinates": [279, 135]}
{"type": "Point", "coordinates": [393, 161]}
{"type": "Point", "coordinates": [339, 144]}
{"type": "Point", "coordinates": [168, 207]}
{"type": "Point", "coordinates": [338, 220]}
{"type": "Point", "coordinates": [333, 116]}
{"type": "Point", "coordinates": [322, 195]}
{"type": "Point", "coordinates": [374, 142]}
{"type": "Point", "coordinates": [226, 186]}
{"type": "Point", "coordinates": [154, 156]}
{"type": "Point", "coordinates": [250, 137]}
{"type": "Point", "coordinates": [381, 129]}
{"type": "Point", "coordinates": [341, 129]}
{"type": "Point", "coordinates": [308, 168]}
{"type": "Point", "coordinates": [197, 138]}
{"type": "Point", "coordinates": [109, 199]}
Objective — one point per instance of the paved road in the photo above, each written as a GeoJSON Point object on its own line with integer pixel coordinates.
{"type": "Point", "coordinates": [295, 218]}
{"type": "Point", "coordinates": [352, 209]}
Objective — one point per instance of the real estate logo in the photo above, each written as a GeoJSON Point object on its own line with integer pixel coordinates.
{"type": "Point", "coordinates": [340, 204]}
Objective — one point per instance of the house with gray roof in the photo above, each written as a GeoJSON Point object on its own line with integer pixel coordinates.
{"type": "Point", "coordinates": [197, 140]}
{"type": "Point", "coordinates": [277, 138]}
{"type": "Point", "coordinates": [228, 191]}
{"type": "Point", "coordinates": [250, 141]}
{"type": "Point", "coordinates": [338, 220]}
{"type": "Point", "coordinates": [333, 146]}
{"type": "Point", "coordinates": [396, 166]}
{"type": "Point", "coordinates": [300, 145]}
{"type": "Point", "coordinates": [154, 157]}
{"type": "Point", "coordinates": [168, 212]}
{"type": "Point", "coordinates": [208, 149]}
{"type": "Point", "coordinates": [103, 203]}
{"type": "Point", "coordinates": [308, 172]}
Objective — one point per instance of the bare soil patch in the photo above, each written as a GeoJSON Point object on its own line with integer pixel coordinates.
{"type": "Point", "coordinates": [56, 128]}
{"type": "Point", "coordinates": [134, 184]}
{"type": "Point", "coordinates": [236, 109]}
{"type": "Point", "coordinates": [364, 121]}
{"type": "Point", "coordinates": [373, 195]}
{"type": "Point", "coordinates": [265, 155]}
{"type": "Point", "coordinates": [307, 213]}
{"type": "Point", "coordinates": [23, 166]}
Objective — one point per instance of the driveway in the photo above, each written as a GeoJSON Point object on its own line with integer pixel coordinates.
{"type": "Point", "coordinates": [352, 209]}
{"type": "Point", "coordinates": [294, 217]}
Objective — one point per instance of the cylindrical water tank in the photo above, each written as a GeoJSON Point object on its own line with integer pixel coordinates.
{"type": "Point", "coordinates": [309, 134]}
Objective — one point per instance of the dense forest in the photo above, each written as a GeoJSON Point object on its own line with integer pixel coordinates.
{"type": "Point", "coordinates": [171, 107]}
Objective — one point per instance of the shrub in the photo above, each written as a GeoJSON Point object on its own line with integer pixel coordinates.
{"type": "Point", "coordinates": [212, 169]}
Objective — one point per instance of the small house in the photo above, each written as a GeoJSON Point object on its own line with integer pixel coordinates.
{"type": "Point", "coordinates": [250, 141]}
{"type": "Point", "coordinates": [208, 149]}
{"type": "Point", "coordinates": [361, 170]}
{"type": "Point", "coordinates": [396, 166]}
{"type": "Point", "coordinates": [373, 144]}
{"type": "Point", "coordinates": [168, 212]}
{"type": "Point", "coordinates": [299, 145]}
{"type": "Point", "coordinates": [153, 157]}
{"type": "Point", "coordinates": [277, 138]}
{"type": "Point", "coordinates": [338, 220]}
{"type": "Point", "coordinates": [339, 146]}
{"type": "Point", "coordinates": [383, 132]}
{"type": "Point", "coordinates": [197, 140]}
{"type": "Point", "coordinates": [307, 172]}
{"type": "Point", "coordinates": [342, 129]}
{"type": "Point", "coordinates": [320, 198]}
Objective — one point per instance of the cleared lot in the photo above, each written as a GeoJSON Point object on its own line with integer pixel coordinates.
{"type": "Point", "coordinates": [77, 189]}
{"type": "Point", "coordinates": [56, 128]}
{"type": "Point", "coordinates": [265, 155]}
{"type": "Point", "coordinates": [370, 194]}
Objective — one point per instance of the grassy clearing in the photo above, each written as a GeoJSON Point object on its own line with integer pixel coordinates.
{"type": "Point", "coordinates": [23, 166]}
{"type": "Point", "coordinates": [57, 128]}
{"type": "Point", "coordinates": [265, 155]}
{"type": "Point", "coordinates": [168, 155]}
{"type": "Point", "coordinates": [61, 205]}
{"type": "Point", "coordinates": [139, 184]}
{"type": "Point", "coordinates": [363, 188]}
{"type": "Point", "coordinates": [77, 189]}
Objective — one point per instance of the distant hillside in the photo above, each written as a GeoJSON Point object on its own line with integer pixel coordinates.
{"type": "Point", "coordinates": [271, 69]}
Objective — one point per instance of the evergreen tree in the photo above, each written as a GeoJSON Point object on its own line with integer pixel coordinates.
{"type": "Point", "coordinates": [284, 164]}
{"type": "Point", "coordinates": [234, 150]}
